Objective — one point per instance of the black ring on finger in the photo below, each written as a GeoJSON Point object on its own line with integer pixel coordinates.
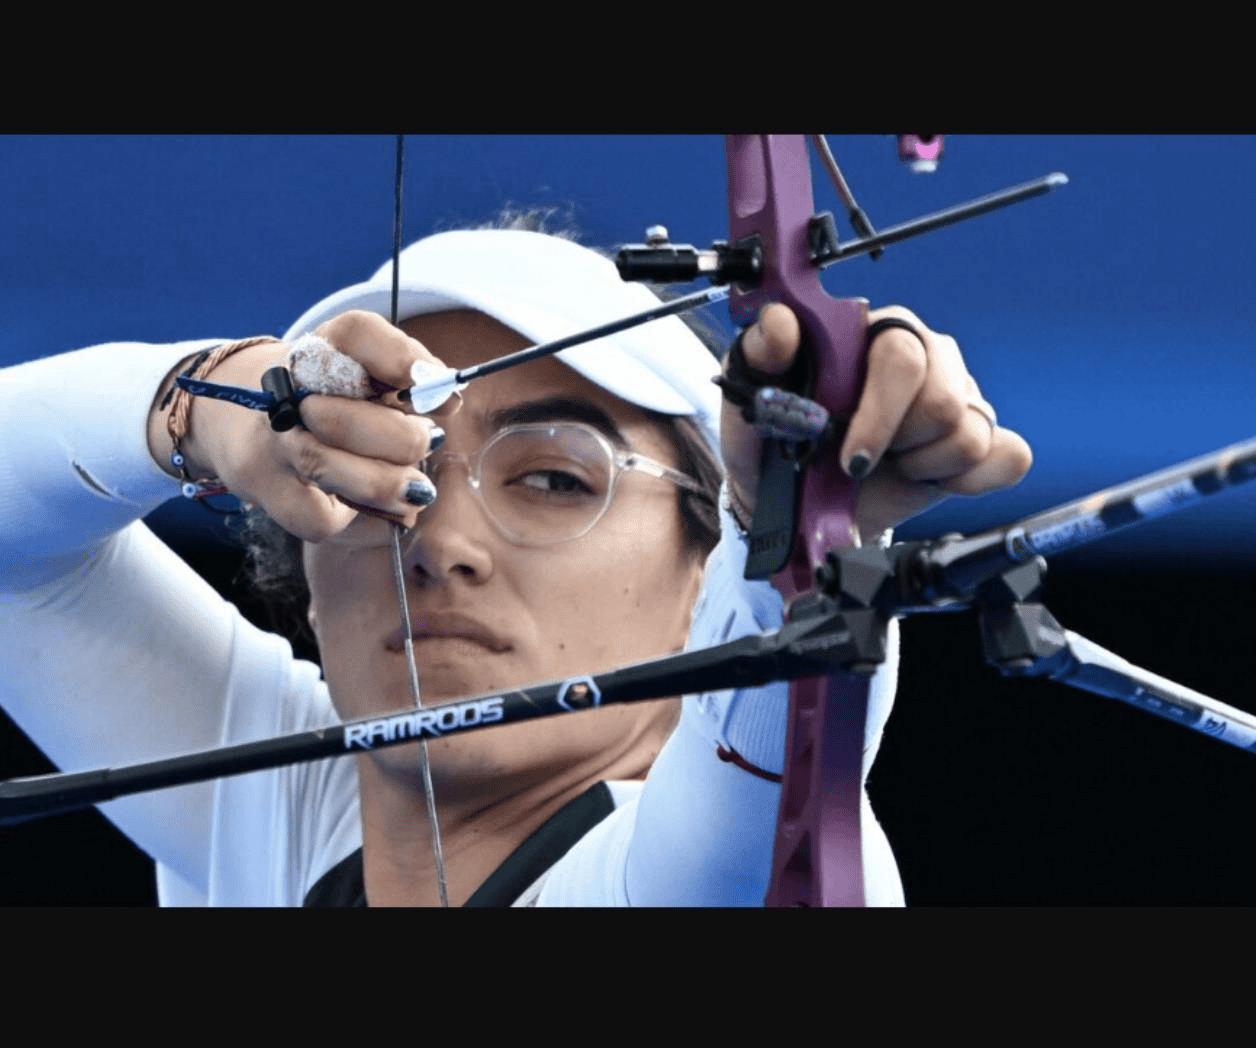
{"type": "Point", "coordinates": [892, 322]}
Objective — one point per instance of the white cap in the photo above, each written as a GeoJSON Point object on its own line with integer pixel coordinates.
{"type": "Point", "coordinates": [546, 288]}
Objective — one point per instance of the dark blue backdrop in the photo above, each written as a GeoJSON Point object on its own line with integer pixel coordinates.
{"type": "Point", "coordinates": [1109, 323]}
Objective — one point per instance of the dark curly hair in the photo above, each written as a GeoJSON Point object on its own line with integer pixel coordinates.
{"type": "Point", "coordinates": [273, 567]}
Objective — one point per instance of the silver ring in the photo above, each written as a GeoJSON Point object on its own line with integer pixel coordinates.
{"type": "Point", "coordinates": [985, 411]}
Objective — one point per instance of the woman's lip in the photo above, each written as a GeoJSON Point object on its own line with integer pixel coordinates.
{"type": "Point", "coordinates": [452, 625]}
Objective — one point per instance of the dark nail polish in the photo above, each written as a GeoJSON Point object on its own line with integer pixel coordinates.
{"type": "Point", "coordinates": [420, 492]}
{"type": "Point", "coordinates": [859, 465]}
{"type": "Point", "coordinates": [437, 438]}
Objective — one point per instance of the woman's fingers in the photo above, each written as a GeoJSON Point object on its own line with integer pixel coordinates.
{"type": "Point", "coordinates": [314, 491]}
{"type": "Point", "coordinates": [915, 393]}
{"type": "Point", "coordinates": [953, 465]}
{"type": "Point", "coordinates": [308, 513]}
{"type": "Point", "coordinates": [369, 430]}
{"type": "Point", "coordinates": [386, 352]}
{"type": "Point", "coordinates": [920, 431]}
{"type": "Point", "coordinates": [772, 342]}
{"type": "Point", "coordinates": [352, 457]}
{"type": "Point", "coordinates": [905, 486]}
{"type": "Point", "coordinates": [348, 457]}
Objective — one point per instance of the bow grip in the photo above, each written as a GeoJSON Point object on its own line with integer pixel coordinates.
{"type": "Point", "coordinates": [817, 855]}
{"type": "Point", "coordinates": [770, 200]}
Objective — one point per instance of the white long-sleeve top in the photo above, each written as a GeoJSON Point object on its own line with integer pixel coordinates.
{"type": "Point", "coordinates": [114, 652]}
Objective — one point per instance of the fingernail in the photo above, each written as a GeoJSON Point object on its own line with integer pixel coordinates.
{"type": "Point", "coordinates": [858, 465]}
{"type": "Point", "coordinates": [421, 492]}
{"type": "Point", "coordinates": [435, 439]}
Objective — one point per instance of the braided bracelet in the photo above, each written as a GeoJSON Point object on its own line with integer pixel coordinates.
{"type": "Point", "coordinates": [179, 420]}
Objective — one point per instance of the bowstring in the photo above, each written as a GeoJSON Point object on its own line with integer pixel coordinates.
{"type": "Point", "coordinates": [425, 766]}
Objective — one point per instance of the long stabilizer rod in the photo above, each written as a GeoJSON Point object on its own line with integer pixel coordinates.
{"type": "Point", "coordinates": [798, 649]}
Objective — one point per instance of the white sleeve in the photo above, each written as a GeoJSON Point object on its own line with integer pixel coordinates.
{"type": "Point", "coordinates": [702, 830]}
{"type": "Point", "coordinates": [115, 651]}
{"type": "Point", "coordinates": [74, 461]}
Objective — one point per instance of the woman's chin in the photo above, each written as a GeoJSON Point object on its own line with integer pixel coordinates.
{"type": "Point", "coordinates": [443, 682]}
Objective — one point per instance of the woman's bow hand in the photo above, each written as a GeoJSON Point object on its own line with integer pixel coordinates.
{"type": "Point", "coordinates": [922, 428]}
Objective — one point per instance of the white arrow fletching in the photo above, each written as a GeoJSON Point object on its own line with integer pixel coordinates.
{"type": "Point", "coordinates": [433, 385]}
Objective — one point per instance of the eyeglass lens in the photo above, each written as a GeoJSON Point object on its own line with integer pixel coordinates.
{"type": "Point", "coordinates": [544, 484]}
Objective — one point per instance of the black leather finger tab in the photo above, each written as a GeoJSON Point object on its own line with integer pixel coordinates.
{"type": "Point", "coordinates": [283, 412]}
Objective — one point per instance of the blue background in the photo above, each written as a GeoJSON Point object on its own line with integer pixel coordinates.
{"type": "Point", "coordinates": [1108, 322]}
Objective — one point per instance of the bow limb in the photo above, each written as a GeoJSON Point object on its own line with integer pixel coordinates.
{"type": "Point", "coordinates": [817, 858]}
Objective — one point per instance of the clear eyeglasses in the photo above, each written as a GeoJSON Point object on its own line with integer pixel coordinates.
{"type": "Point", "coordinates": [545, 483]}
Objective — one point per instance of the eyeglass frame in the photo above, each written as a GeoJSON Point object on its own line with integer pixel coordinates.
{"type": "Point", "coordinates": [621, 462]}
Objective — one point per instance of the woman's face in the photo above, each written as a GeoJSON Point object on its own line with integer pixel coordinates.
{"type": "Point", "coordinates": [488, 614]}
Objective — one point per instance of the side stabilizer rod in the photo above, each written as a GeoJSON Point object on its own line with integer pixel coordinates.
{"type": "Point", "coordinates": [1024, 640]}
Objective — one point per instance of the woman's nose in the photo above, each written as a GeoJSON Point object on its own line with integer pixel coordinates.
{"type": "Point", "coordinates": [452, 535]}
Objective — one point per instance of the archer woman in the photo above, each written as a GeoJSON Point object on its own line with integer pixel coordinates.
{"type": "Point", "coordinates": [563, 517]}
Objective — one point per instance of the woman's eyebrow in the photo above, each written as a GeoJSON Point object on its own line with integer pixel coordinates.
{"type": "Point", "coordinates": [554, 409]}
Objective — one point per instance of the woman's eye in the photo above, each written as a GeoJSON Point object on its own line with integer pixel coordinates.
{"type": "Point", "coordinates": [554, 480]}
